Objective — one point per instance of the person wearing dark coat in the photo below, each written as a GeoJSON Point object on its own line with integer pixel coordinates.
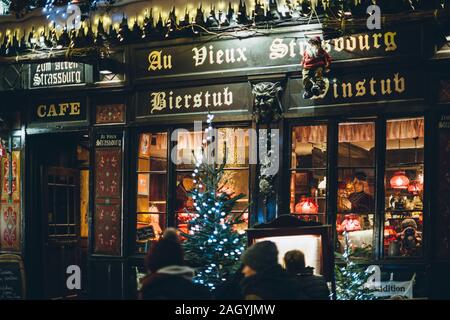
{"type": "Point", "coordinates": [264, 278]}
{"type": "Point", "coordinates": [310, 286]}
{"type": "Point", "coordinates": [231, 289]}
{"type": "Point", "coordinates": [170, 278]}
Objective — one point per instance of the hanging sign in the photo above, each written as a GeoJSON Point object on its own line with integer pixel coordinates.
{"type": "Point", "coordinates": [274, 52]}
{"type": "Point", "coordinates": [59, 110]}
{"type": "Point", "coordinates": [224, 97]}
{"type": "Point", "coordinates": [52, 74]}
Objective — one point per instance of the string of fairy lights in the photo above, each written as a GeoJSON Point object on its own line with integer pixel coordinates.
{"type": "Point", "coordinates": [207, 202]}
{"type": "Point", "coordinates": [221, 24]}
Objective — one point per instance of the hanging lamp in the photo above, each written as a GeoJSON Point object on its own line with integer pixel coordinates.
{"type": "Point", "coordinates": [306, 206]}
{"type": "Point", "coordinates": [399, 180]}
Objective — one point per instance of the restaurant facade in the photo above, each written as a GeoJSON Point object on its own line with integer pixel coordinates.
{"type": "Point", "coordinates": [86, 171]}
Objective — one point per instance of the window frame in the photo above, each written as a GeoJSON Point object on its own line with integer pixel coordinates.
{"type": "Point", "coordinates": [380, 121]}
{"type": "Point", "coordinates": [171, 174]}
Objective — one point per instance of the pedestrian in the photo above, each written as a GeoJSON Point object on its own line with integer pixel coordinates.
{"type": "Point", "coordinates": [264, 278]}
{"type": "Point", "coordinates": [169, 278]}
{"type": "Point", "coordinates": [310, 286]}
{"type": "Point", "coordinates": [231, 289]}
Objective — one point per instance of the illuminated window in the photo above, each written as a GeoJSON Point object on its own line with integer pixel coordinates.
{"type": "Point", "coordinates": [356, 186]}
{"type": "Point", "coordinates": [403, 219]}
{"type": "Point", "coordinates": [234, 181]}
{"type": "Point", "coordinates": [151, 188]}
{"type": "Point", "coordinates": [308, 184]}
{"type": "Point", "coordinates": [153, 212]}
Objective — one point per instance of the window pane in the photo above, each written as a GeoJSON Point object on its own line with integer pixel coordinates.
{"type": "Point", "coordinates": [237, 146]}
{"type": "Point", "coordinates": [235, 182]}
{"type": "Point", "coordinates": [149, 227]}
{"type": "Point", "coordinates": [309, 147]}
{"type": "Point", "coordinates": [356, 187]}
{"type": "Point", "coordinates": [151, 194]}
{"type": "Point", "coordinates": [151, 189]}
{"type": "Point", "coordinates": [152, 152]}
{"type": "Point", "coordinates": [187, 143]}
{"type": "Point", "coordinates": [356, 144]}
{"type": "Point", "coordinates": [308, 195]}
{"type": "Point", "coordinates": [403, 224]}
{"type": "Point", "coordinates": [308, 173]}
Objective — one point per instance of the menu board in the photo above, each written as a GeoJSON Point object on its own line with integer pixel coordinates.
{"type": "Point", "coordinates": [11, 278]}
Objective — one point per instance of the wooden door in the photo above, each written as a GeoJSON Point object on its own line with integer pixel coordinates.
{"type": "Point", "coordinates": [61, 211]}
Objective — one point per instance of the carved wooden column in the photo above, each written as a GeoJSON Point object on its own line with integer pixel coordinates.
{"type": "Point", "coordinates": [267, 111]}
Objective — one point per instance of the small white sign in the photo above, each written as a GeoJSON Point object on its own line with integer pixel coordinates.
{"type": "Point", "coordinates": [388, 288]}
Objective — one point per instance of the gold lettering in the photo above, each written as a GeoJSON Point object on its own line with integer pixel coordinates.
{"type": "Point", "coordinates": [399, 83]}
{"type": "Point", "coordinates": [361, 88]}
{"type": "Point", "coordinates": [186, 100]}
{"type": "Point", "coordinates": [351, 43]}
{"type": "Point", "coordinates": [158, 101]}
{"type": "Point", "coordinates": [75, 108]}
{"type": "Point", "coordinates": [386, 87]}
{"type": "Point", "coordinates": [178, 100]}
{"type": "Point", "coordinates": [41, 111]}
{"type": "Point", "coordinates": [364, 42]}
{"type": "Point", "coordinates": [154, 59]}
{"type": "Point", "coordinates": [335, 87]}
{"type": "Point", "coordinates": [52, 111]}
{"type": "Point", "coordinates": [339, 44]}
{"type": "Point", "coordinates": [347, 90]}
{"type": "Point", "coordinates": [198, 100]}
{"type": "Point", "coordinates": [168, 62]}
{"type": "Point", "coordinates": [372, 86]}
{"type": "Point", "coordinates": [389, 41]}
{"type": "Point", "coordinates": [376, 37]}
{"type": "Point", "coordinates": [63, 108]}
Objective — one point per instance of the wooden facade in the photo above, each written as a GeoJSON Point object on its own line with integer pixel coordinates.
{"type": "Point", "coordinates": [108, 116]}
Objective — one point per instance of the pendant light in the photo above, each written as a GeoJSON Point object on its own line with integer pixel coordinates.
{"type": "Point", "coordinates": [306, 206]}
{"type": "Point", "coordinates": [415, 187]}
{"type": "Point", "coordinates": [399, 180]}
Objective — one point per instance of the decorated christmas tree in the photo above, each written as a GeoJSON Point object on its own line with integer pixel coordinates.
{"type": "Point", "coordinates": [351, 278]}
{"type": "Point", "coordinates": [213, 245]}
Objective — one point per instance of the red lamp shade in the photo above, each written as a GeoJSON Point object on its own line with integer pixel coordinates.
{"type": "Point", "coordinates": [399, 180]}
{"type": "Point", "coordinates": [415, 187]}
{"type": "Point", "coordinates": [306, 206]}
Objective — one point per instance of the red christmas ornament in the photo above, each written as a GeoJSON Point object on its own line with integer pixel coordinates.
{"type": "Point", "coordinates": [306, 206]}
{"type": "Point", "coordinates": [399, 180]}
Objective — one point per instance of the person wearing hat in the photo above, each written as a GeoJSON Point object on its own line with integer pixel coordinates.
{"type": "Point", "coordinates": [315, 60]}
{"type": "Point", "coordinates": [264, 278]}
{"type": "Point", "coordinates": [169, 278]}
